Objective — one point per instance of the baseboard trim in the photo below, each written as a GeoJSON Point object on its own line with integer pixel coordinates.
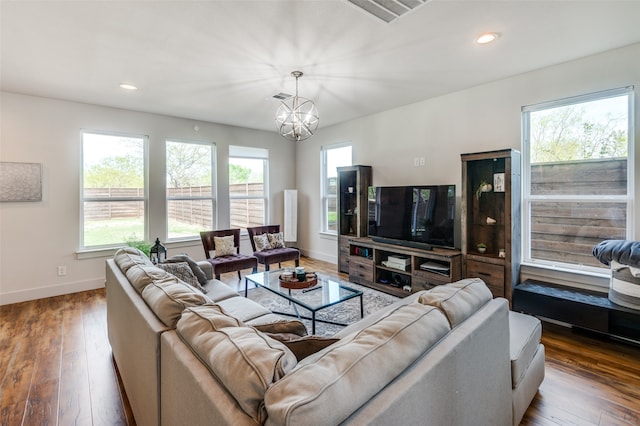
{"type": "Point", "coordinates": [50, 291]}
{"type": "Point", "coordinates": [319, 256]}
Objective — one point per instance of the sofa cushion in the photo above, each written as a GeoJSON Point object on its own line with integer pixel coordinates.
{"type": "Point", "coordinates": [181, 271]}
{"type": "Point", "coordinates": [126, 257]}
{"type": "Point", "coordinates": [195, 267]}
{"type": "Point", "coordinates": [458, 300]}
{"type": "Point", "coordinates": [326, 387]}
{"type": "Point", "coordinates": [217, 290]}
{"type": "Point", "coordinates": [141, 276]}
{"type": "Point", "coordinates": [243, 309]}
{"type": "Point", "coordinates": [525, 333]}
{"type": "Point", "coordinates": [206, 317]}
{"type": "Point", "coordinates": [224, 246]}
{"type": "Point", "coordinates": [244, 360]}
{"type": "Point", "coordinates": [169, 297]}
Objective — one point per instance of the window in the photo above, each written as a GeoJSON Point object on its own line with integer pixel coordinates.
{"type": "Point", "coordinates": [577, 188]}
{"type": "Point", "coordinates": [190, 194]}
{"type": "Point", "coordinates": [332, 158]}
{"type": "Point", "coordinates": [113, 189]}
{"type": "Point", "coordinates": [248, 186]}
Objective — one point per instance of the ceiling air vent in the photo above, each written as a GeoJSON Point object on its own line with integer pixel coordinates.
{"type": "Point", "coordinates": [387, 10]}
{"type": "Point", "coordinates": [281, 96]}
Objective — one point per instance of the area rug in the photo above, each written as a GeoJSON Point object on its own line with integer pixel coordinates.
{"type": "Point", "coordinates": [346, 312]}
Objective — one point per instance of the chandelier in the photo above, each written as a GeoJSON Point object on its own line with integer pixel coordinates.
{"type": "Point", "coordinates": [297, 118]}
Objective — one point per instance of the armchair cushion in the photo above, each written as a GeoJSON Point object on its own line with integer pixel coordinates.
{"type": "Point", "coordinates": [276, 240]}
{"type": "Point", "coordinates": [262, 242]}
{"type": "Point", "coordinates": [224, 246]}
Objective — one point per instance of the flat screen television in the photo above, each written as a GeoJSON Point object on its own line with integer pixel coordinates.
{"type": "Point", "coordinates": [420, 216]}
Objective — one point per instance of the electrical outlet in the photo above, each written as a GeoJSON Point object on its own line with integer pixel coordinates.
{"type": "Point", "coordinates": [422, 161]}
{"type": "Point", "coordinates": [416, 162]}
{"type": "Point", "coordinates": [62, 270]}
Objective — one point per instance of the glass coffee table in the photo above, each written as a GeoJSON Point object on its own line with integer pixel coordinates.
{"type": "Point", "coordinates": [327, 292]}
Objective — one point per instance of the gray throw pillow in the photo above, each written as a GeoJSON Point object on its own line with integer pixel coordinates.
{"type": "Point", "coordinates": [197, 271]}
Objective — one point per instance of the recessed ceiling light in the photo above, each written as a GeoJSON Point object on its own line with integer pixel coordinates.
{"type": "Point", "coordinates": [487, 38]}
{"type": "Point", "coordinates": [128, 86]}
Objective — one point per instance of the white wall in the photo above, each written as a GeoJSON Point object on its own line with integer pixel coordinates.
{"type": "Point", "coordinates": [478, 119]}
{"type": "Point", "coordinates": [37, 237]}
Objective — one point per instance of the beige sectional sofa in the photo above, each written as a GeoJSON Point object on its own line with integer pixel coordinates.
{"type": "Point", "coordinates": [439, 357]}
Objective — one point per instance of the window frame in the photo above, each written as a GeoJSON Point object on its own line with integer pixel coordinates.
{"type": "Point", "coordinates": [144, 199]}
{"type": "Point", "coordinates": [528, 198]}
{"type": "Point", "coordinates": [251, 153]}
{"type": "Point", "coordinates": [185, 198]}
{"type": "Point", "coordinates": [324, 187]}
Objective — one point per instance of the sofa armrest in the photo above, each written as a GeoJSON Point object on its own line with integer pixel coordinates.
{"type": "Point", "coordinates": [207, 268]}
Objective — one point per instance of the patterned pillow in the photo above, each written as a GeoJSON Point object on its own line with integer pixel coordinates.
{"type": "Point", "coordinates": [262, 242]}
{"type": "Point", "coordinates": [276, 240]}
{"type": "Point", "coordinates": [195, 268]}
{"type": "Point", "coordinates": [224, 246]}
{"type": "Point", "coordinates": [181, 270]}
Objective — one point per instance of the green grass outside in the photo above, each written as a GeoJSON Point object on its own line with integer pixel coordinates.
{"type": "Point", "coordinates": [116, 231]}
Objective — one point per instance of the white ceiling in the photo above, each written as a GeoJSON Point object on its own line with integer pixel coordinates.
{"type": "Point", "coordinates": [222, 61]}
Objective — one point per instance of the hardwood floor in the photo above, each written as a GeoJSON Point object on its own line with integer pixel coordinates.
{"type": "Point", "coordinates": [56, 368]}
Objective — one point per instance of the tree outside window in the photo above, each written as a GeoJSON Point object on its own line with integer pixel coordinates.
{"type": "Point", "coordinates": [332, 158]}
{"type": "Point", "coordinates": [577, 192]}
{"type": "Point", "coordinates": [190, 189]}
{"type": "Point", "coordinates": [247, 186]}
{"type": "Point", "coordinates": [113, 193]}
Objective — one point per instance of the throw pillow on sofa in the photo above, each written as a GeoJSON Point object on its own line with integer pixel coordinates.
{"type": "Point", "coordinates": [459, 300]}
{"type": "Point", "coordinates": [224, 246]}
{"type": "Point", "coordinates": [197, 270]}
{"type": "Point", "coordinates": [304, 346]}
{"type": "Point", "coordinates": [262, 242]}
{"type": "Point", "coordinates": [283, 326]}
{"type": "Point", "coordinates": [181, 271]}
{"type": "Point", "coordinates": [276, 240]}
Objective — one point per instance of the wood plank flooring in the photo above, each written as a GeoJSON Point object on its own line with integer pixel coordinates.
{"type": "Point", "coordinates": [56, 368]}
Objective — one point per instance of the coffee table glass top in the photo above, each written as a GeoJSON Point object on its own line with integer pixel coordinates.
{"type": "Point", "coordinates": [327, 292]}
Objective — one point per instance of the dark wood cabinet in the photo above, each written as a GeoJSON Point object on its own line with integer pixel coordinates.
{"type": "Point", "coordinates": [491, 217]}
{"type": "Point", "coordinates": [351, 193]}
{"type": "Point", "coordinates": [370, 266]}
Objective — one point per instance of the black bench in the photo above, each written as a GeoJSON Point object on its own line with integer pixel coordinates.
{"type": "Point", "coordinates": [581, 308]}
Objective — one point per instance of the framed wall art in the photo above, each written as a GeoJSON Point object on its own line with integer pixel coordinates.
{"type": "Point", "coordinates": [20, 182]}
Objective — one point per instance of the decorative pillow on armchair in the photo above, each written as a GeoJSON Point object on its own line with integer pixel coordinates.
{"type": "Point", "coordinates": [262, 242]}
{"type": "Point", "coordinates": [224, 246]}
{"type": "Point", "coordinates": [276, 240]}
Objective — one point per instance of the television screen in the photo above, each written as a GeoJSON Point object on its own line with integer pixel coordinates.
{"type": "Point", "coordinates": [419, 216]}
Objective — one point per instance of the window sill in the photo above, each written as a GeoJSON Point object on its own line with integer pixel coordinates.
{"type": "Point", "coordinates": [328, 235]}
{"type": "Point", "coordinates": [588, 280]}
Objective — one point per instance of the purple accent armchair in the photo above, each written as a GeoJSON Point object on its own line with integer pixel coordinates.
{"type": "Point", "coordinates": [276, 255]}
{"type": "Point", "coordinates": [229, 263]}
